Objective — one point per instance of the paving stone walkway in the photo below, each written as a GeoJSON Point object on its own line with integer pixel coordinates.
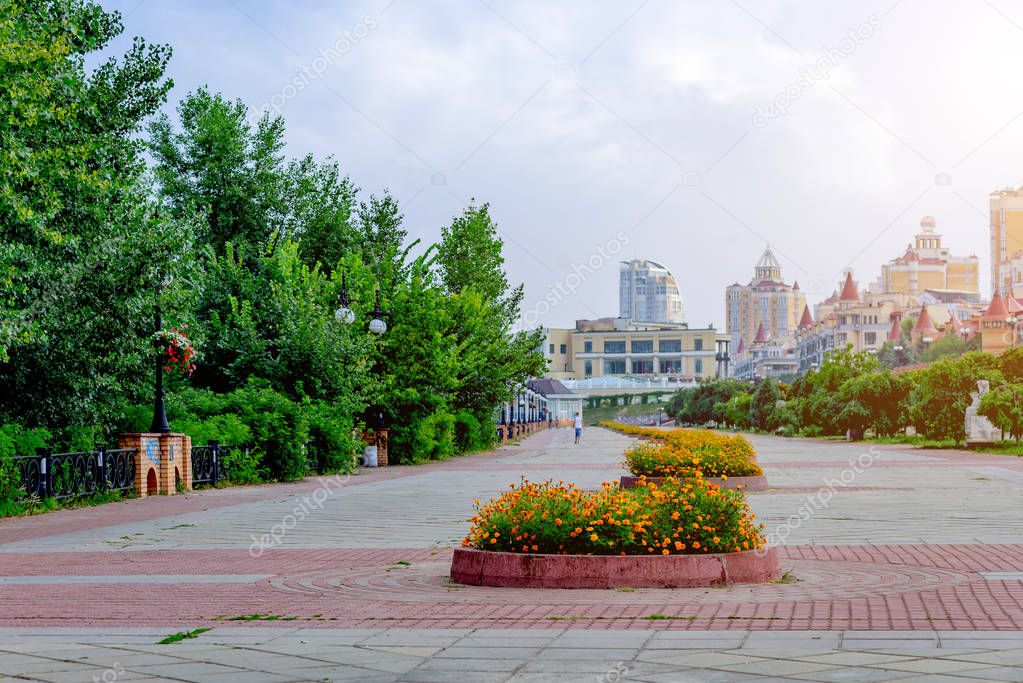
{"type": "Point", "coordinates": [902, 565]}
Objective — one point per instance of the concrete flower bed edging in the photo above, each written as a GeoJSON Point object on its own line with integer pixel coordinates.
{"type": "Point", "coordinates": [521, 570]}
{"type": "Point", "coordinates": [758, 483]}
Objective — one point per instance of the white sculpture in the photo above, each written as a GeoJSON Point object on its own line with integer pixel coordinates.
{"type": "Point", "coordinates": [979, 430]}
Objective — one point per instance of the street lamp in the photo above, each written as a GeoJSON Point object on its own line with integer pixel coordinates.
{"type": "Point", "coordinates": [344, 314]}
{"type": "Point", "coordinates": [159, 424]}
{"type": "Point", "coordinates": [377, 325]}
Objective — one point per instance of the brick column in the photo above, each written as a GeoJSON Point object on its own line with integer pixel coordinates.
{"type": "Point", "coordinates": [382, 441]}
{"type": "Point", "coordinates": [161, 459]}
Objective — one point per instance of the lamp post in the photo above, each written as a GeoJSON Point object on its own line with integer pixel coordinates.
{"type": "Point", "coordinates": [1012, 320]}
{"type": "Point", "coordinates": [159, 424]}
{"type": "Point", "coordinates": [344, 315]}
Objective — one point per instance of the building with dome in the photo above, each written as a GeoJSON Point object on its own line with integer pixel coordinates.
{"type": "Point", "coordinates": [927, 265]}
{"type": "Point", "coordinates": [766, 301]}
{"type": "Point", "coordinates": [648, 293]}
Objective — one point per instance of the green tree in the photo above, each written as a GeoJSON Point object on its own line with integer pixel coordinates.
{"type": "Point", "coordinates": [81, 252]}
{"type": "Point", "coordinates": [941, 393]}
{"type": "Point", "coordinates": [1004, 407]}
{"type": "Point", "coordinates": [875, 401]}
{"type": "Point", "coordinates": [217, 164]}
{"type": "Point", "coordinates": [943, 347]}
{"type": "Point", "coordinates": [764, 406]}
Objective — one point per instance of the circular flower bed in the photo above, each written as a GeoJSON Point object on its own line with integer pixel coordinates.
{"type": "Point", "coordinates": [668, 459]}
{"type": "Point", "coordinates": [727, 461]}
{"type": "Point", "coordinates": [546, 520]}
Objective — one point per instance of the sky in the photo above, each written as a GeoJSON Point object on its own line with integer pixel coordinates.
{"type": "Point", "coordinates": [690, 133]}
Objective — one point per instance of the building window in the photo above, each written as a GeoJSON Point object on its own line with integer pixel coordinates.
{"type": "Point", "coordinates": [671, 367]}
{"type": "Point", "coordinates": [614, 367]}
{"type": "Point", "coordinates": [699, 366]}
{"type": "Point", "coordinates": [587, 347]}
{"type": "Point", "coordinates": [671, 346]}
{"type": "Point", "coordinates": [564, 348]}
{"type": "Point", "coordinates": [588, 368]}
{"type": "Point", "coordinates": [870, 338]}
{"type": "Point", "coordinates": [698, 344]}
{"type": "Point", "coordinates": [614, 347]}
{"type": "Point", "coordinates": [643, 367]}
{"type": "Point", "coordinates": [643, 346]}
{"type": "Point", "coordinates": [552, 349]}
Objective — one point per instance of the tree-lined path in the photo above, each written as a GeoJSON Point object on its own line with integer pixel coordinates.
{"type": "Point", "coordinates": [900, 563]}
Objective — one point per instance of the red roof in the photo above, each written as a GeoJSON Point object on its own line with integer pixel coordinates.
{"type": "Point", "coordinates": [742, 345]}
{"type": "Point", "coordinates": [1012, 304]}
{"type": "Point", "coordinates": [849, 292]}
{"type": "Point", "coordinates": [996, 310]}
{"type": "Point", "coordinates": [761, 335]}
{"type": "Point", "coordinates": [795, 284]}
{"type": "Point", "coordinates": [807, 319]}
{"type": "Point", "coordinates": [923, 323]}
{"type": "Point", "coordinates": [896, 332]}
{"type": "Point", "coordinates": [954, 324]}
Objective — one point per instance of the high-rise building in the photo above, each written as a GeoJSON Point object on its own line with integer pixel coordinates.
{"type": "Point", "coordinates": [1007, 241]}
{"type": "Point", "coordinates": [766, 300]}
{"type": "Point", "coordinates": [926, 265]}
{"type": "Point", "coordinates": [648, 292]}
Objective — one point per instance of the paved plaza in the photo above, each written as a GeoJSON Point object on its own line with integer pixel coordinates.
{"type": "Point", "coordinates": [900, 564]}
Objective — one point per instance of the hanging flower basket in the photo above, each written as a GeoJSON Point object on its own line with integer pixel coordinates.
{"type": "Point", "coordinates": [177, 351]}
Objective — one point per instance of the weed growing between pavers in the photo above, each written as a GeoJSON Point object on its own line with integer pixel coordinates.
{"type": "Point", "coordinates": [787, 577]}
{"type": "Point", "coordinates": [182, 635]}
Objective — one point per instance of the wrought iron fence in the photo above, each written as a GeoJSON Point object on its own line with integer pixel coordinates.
{"type": "Point", "coordinates": [208, 466]}
{"type": "Point", "coordinates": [69, 475]}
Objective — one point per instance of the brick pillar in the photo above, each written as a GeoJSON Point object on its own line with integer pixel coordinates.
{"type": "Point", "coordinates": [160, 460]}
{"type": "Point", "coordinates": [382, 440]}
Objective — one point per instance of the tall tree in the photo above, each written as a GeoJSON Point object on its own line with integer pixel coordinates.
{"type": "Point", "coordinates": [221, 166]}
{"type": "Point", "coordinates": [80, 251]}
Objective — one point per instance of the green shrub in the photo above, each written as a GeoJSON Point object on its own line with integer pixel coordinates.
{"type": "Point", "coordinates": [334, 438]}
{"type": "Point", "coordinates": [243, 465]}
{"type": "Point", "coordinates": [467, 432]}
{"type": "Point", "coordinates": [433, 438]}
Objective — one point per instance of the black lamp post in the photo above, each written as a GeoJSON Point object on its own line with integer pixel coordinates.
{"type": "Point", "coordinates": [345, 315]}
{"type": "Point", "coordinates": [159, 424]}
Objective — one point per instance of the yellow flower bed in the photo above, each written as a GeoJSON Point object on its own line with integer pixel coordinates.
{"type": "Point", "coordinates": [688, 453]}
{"type": "Point", "coordinates": [675, 517]}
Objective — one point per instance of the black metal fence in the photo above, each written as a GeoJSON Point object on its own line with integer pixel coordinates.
{"type": "Point", "coordinates": [208, 463]}
{"type": "Point", "coordinates": [69, 475]}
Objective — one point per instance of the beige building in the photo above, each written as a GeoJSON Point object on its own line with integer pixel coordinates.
{"type": "Point", "coordinates": [846, 318]}
{"type": "Point", "coordinates": [926, 264]}
{"type": "Point", "coordinates": [1006, 240]}
{"type": "Point", "coordinates": [621, 347]}
{"type": "Point", "coordinates": [767, 300]}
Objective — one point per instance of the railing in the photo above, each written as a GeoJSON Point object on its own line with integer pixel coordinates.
{"type": "Point", "coordinates": [208, 466]}
{"type": "Point", "coordinates": [70, 475]}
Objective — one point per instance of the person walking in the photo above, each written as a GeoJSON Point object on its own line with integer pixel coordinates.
{"type": "Point", "coordinates": [578, 426]}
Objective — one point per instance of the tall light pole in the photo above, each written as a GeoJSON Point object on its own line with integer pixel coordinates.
{"type": "Point", "coordinates": [344, 315]}
{"type": "Point", "coordinates": [159, 424]}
